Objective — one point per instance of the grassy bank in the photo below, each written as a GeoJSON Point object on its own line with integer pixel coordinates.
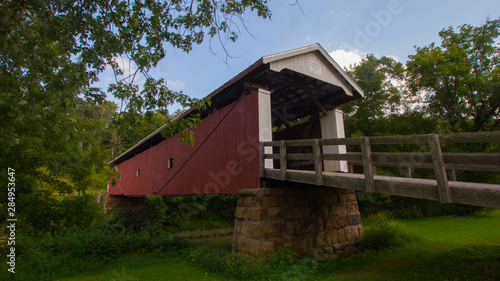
{"type": "Point", "coordinates": [445, 248]}
{"type": "Point", "coordinates": [448, 248]}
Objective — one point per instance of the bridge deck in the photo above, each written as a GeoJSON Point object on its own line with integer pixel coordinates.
{"type": "Point", "coordinates": [479, 194]}
{"type": "Point", "coordinates": [441, 188]}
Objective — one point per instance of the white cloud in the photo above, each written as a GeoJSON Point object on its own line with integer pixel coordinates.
{"type": "Point", "coordinates": [128, 67]}
{"type": "Point", "coordinates": [340, 12]}
{"type": "Point", "coordinates": [396, 58]}
{"type": "Point", "coordinates": [347, 58]}
{"type": "Point", "coordinates": [176, 85]}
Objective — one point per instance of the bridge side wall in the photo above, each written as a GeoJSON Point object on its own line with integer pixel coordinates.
{"type": "Point", "coordinates": [324, 222]}
{"type": "Point", "coordinates": [226, 161]}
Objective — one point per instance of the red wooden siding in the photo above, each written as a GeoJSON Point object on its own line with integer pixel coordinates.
{"type": "Point", "coordinates": [228, 159]}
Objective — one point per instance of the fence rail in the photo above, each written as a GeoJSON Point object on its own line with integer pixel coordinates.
{"type": "Point", "coordinates": [444, 164]}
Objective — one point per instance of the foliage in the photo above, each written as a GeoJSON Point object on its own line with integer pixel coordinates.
{"type": "Point", "coordinates": [461, 78]}
{"type": "Point", "coordinates": [86, 250]}
{"type": "Point", "coordinates": [446, 249]}
{"type": "Point", "coordinates": [197, 212]}
{"type": "Point", "coordinates": [382, 232]}
{"type": "Point", "coordinates": [459, 85]}
{"type": "Point", "coordinates": [51, 54]}
{"type": "Point", "coordinates": [167, 214]}
{"type": "Point", "coordinates": [219, 259]}
{"type": "Point", "coordinates": [43, 213]}
{"type": "Point", "coordinates": [303, 270]}
{"type": "Point", "coordinates": [284, 264]}
{"type": "Point", "coordinates": [411, 208]}
{"type": "Point", "coordinates": [378, 77]}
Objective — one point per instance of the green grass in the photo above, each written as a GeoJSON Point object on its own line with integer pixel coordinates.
{"type": "Point", "coordinates": [459, 230]}
{"type": "Point", "coordinates": [447, 248]}
{"type": "Point", "coordinates": [163, 269]}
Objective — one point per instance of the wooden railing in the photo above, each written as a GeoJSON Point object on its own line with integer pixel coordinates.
{"type": "Point", "coordinates": [434, 158]}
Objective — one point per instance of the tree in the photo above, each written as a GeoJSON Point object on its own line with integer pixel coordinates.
{"type": "Point", "coordinates": [461, 78]}
{"type": "Point", "coordinates": [52, 51]}
{"type": "Point", "coordinates": [379, 79]}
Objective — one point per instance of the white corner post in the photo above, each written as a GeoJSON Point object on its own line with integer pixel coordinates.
{"type": "Point", "coordinates": [332, 127]}
{"type": "Point", "coordinates": [265, 123]}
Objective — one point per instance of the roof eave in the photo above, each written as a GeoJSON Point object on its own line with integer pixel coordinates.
{"type": "Point", "coordinates": [311, 48]}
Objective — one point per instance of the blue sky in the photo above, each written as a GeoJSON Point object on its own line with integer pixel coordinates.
{"type": "Point", "coordinates": [346, 29]}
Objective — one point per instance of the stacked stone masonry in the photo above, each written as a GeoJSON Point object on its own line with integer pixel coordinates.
{"type": "Point", "coordinates": [324, 222]}
{"type": "Point", "coordinates": [124, 203]}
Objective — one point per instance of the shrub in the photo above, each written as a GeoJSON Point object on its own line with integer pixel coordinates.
{"type": "Point", "coordinates": [86, 250]}
{"type": "Point", "coordinates": [42, 212]}
{"type": "Point", "coordinates": [220, 259]}
{"type": "Point", "coordinates": [284, 264]}
{"type": "Point", "coordinates": [382, 232]}
{"type": "Point", "coordinates": [303, 270]}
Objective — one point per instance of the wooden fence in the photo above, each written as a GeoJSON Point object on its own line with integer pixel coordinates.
{"type": "Point", "coordinates": [434, 158]}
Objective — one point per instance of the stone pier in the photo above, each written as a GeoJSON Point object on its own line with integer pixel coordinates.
{"type": "Point", "coordinates": [124, 203]}
{"type": "Point", "coordinates": [323, 222]}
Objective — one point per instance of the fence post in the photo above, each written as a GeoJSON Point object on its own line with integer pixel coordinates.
{"type": "Point", "coordinates": [453, 175]}
{"type": "Point", "coordinates": [283, 166]}
{"type": "Point", "coordinates": [318, 163]}
{"type": "Point", "coordinates": [439, 169]}
{"type": "Point", "coordinates": [408, 172]}
{"type": "Point", "coordinates": [368, 169]}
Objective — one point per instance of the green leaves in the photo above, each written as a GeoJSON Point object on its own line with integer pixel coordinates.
{"type": "Point", "coordinates": [461, 76]}
{"type": "Point", "coordinates": [378, 77]}
{"type": "Point", "coordinates": [51, 54]}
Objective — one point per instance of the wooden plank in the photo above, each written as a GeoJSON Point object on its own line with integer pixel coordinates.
{"type": "Point", "coordinates": [283, 160]}
{"type": "Point", "coordinates": [478, 194]}
{"type": "Point", "coordinates": [453, 175]}
{"type": "Point", "coordinates": [272, 156]}
{"type": "Point", "coordinates": [318, 163]}
{"type": "Point", "coordinates": [420, 139]}
{"type": "Point", "coordinates": [317, 103]}
{"type": "Point", "coordinates": [343, 141]}
{"type": "Point", "coordinates": [271, 143]}
{"type": "Point", "coordinates": [470, 137]}
{"type": "Point", "coordinates": [368, 165]}
{"type": "Point", "coordinates": [307, 142]}
{"type": "Point", "coordinates": [351, 156]}
{"type": "Point", "coordinates": [479, 159]}
{"type": "Point", "coordinates": [439, 169]}
{"type": "Point", "coordinates": [300, 176]}
{"type": "Point", "coordinates": [408, 172]}
{"type": "Point", "coordinates": [481, 168]}
{"type": "Point", "coordinates": [444, 138]}
{"type": "Point", "coordinates": [350, 168]}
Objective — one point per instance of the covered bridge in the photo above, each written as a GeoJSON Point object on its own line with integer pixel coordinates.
{"type": "Point", "coordinates": [283, 96]}
{"type": "Point", "coordinates": [259, 104]}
